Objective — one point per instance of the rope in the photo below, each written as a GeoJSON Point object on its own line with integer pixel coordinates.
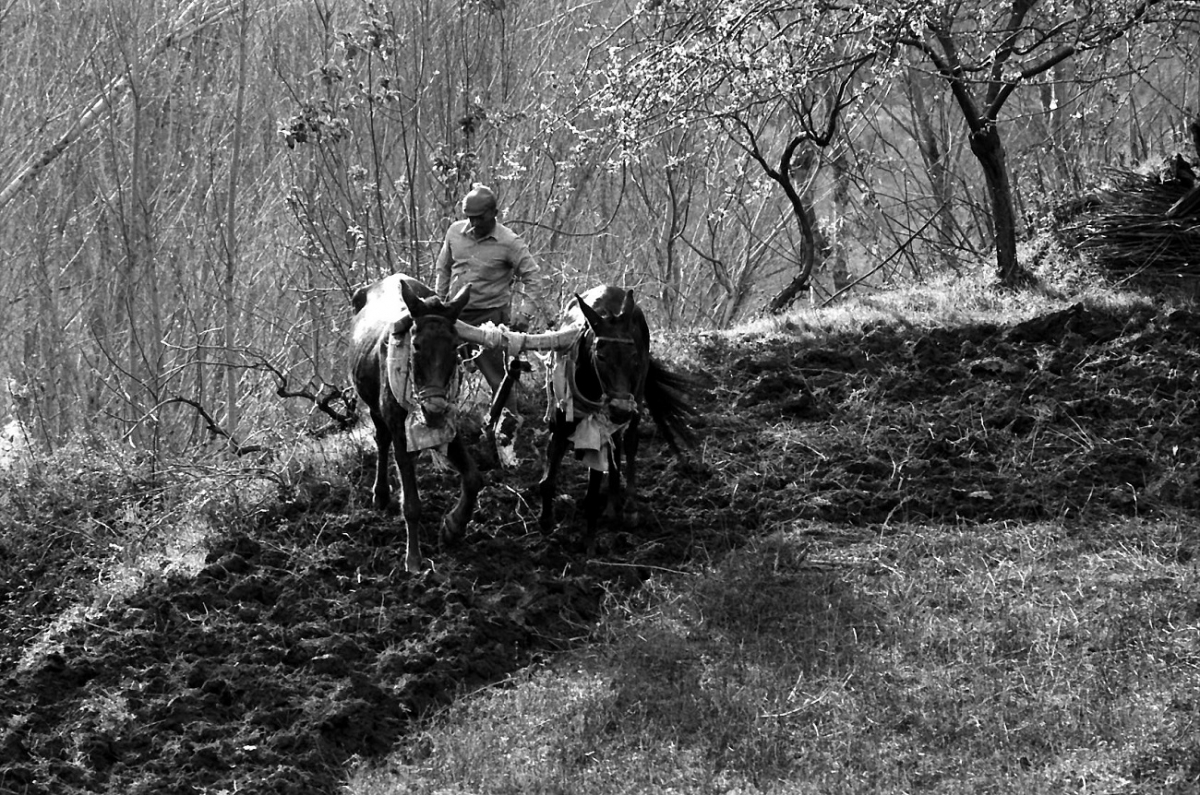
{"type": "Point", "coordinates": [563, 389]}
{"type": "Point", "coordinates": [593, 437]}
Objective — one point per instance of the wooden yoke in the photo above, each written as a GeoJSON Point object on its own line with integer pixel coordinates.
{"type": "Point", "coordinates": [515, 342]}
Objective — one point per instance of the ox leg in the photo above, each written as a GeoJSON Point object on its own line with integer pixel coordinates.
{"type": "Point", "coordinates": [556, 448]}
{"type": "Point", "coordinates": [381, 492]}
{"type": "Point", "coordinates": [454, 524]}
{"type": "Point", "coordinates": [629, 499]}
{"type": "Point", "coordinates": [593, 505]}
{"type": "Point", "coordinates": [410, 507]}
{"type": "Point", "coordinates": [616, 488]}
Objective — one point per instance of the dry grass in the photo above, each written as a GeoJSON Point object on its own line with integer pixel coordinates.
{"type": "Point", "coordinates": [948, 301]}
{"type": "Point", "coordinates": [102, 520]}
{"type": "Point", "coordinates": [991, 659]}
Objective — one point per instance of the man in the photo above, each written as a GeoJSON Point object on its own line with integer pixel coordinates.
{"type": "Point", "coordinates": [482, 252]}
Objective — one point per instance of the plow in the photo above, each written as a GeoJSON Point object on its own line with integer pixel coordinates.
{"type": "Point", "coordinates": [514, 343]}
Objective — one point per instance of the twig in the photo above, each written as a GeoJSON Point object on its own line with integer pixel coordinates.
{"type": "Point", "coordinates": [639, 566]}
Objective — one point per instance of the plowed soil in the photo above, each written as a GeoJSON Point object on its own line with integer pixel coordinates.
{"type": "Point", "coordinates": [302, 643]}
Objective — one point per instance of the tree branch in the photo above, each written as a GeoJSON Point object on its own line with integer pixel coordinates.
{"type": "Point", "coordinates": [1020, 8]}
{"type": "Point", "coordinates": [236, 447]}
{"type": "Point", "coordinates": [1000, 96]}
{"type": "Point", "coordinates": [113, 94]}
{"type": "Point", "coordinates": [951, 69]}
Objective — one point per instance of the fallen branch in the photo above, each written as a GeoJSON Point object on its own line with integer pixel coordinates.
{"type": "Point", "coordinates": [236, 447]}
{"type": "Point", "coordinates": [1143, 225]}
{"type": "Point", "coordinates": [322, 401]}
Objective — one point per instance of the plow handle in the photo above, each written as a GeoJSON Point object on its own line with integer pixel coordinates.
{"type": "Point", "coordinates": [512, 373]}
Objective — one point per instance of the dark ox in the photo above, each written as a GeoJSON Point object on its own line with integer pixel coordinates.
{"type": "Point", "coordinates": [404, 364]}
{"type": "Point", "coordinates": [603, 385]}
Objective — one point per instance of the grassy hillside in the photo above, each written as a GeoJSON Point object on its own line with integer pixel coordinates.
{"type": "Point", "coordinates": [1021, 618]}
{"type": "Point", "coordinates": [937, 541]}
{"type": "Point", "coordinates": [1004, 657]}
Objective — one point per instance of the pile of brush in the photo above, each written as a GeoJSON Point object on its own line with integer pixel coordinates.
{"type": "Point", "coordinates": [1141, 224]}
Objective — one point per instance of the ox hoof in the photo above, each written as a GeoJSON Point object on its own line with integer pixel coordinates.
{"type": "Point", "coordinates": [414, 565]}
{"type": "Point", "coordinates": [452, 531]}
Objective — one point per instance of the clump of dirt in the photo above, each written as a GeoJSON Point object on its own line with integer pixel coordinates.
{"type": "Point", "coordinates": [302, 642]}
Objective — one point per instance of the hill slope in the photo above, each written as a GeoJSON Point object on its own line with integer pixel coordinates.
{"type": "Point", "coordinates": [301, 643]}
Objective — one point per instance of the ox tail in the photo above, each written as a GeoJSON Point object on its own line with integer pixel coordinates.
{"type": "Point", "coordinates": [669, 398]}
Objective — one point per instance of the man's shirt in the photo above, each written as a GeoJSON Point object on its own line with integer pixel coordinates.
{"type": "Point", "coordinates": [491, 266]}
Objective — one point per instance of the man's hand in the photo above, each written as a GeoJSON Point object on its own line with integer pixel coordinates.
{"type": "Point", "coordinates": [529, 323]}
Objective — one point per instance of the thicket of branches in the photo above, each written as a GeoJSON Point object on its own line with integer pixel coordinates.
{"type": "Point", "coordinates": [189, 191]}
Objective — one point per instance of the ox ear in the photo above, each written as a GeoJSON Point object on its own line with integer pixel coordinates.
{"type": "Point", "coordinates": [458, 302]}
{"type": "Point", "coordinates": [627, 306]}
{"type": "Point", "coordinates": [359, 299]}
{"type": "Point", "coordinates": [402, 326]}
{"type": "Point", "coordinates": [411, 300]}
{"type": "Point", "coordinates": [590, 315]}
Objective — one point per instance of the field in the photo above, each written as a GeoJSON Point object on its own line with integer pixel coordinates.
{"type": "Point", "coordinates": [940, 546]}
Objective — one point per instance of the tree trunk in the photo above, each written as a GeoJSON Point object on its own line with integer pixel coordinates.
{"type": "Point", "coordinates": [989, 150]}
{"type": "Point", "coordinates": [940, 179]}
{"type": "Point", "coordinates": [800, 282]}
{"type": "Point", "coordinates": [839, 265]}
{"type": "Point", "coordinates": [143, 318]}
{"type": "Point", "coordinates": [229, 339]}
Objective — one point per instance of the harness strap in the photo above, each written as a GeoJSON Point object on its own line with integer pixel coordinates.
{"type": "Point", "coordinates": [585, 404]}
{"type": "Point", "coordinates": [562, 392]}
{"type": "Point", "coordinates": [563, 389]}
{"type": "Point", "coordinates": [399, 375]}
{"type": "Point", "coordinates": [418, 435]}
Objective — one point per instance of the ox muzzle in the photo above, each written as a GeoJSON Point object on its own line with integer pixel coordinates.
{"type": "Point", "coordinates": [434, 406]}
{"type": "Point", "coordinates": [621, 408]}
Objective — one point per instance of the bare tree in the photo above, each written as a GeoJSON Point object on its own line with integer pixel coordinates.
{"type": "Point", "coordinates": [231, 221]}
{"type": "Point", "coordinates": [776, 78]}
{"type": "Point", "coordinates": [984, 53]}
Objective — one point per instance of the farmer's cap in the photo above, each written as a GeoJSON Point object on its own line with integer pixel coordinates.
{"type": "Point", "coordinates": [479, 200]}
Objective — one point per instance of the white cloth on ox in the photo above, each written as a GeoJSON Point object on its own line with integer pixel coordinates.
{"type": "Point", "coordinates": [562, 393]}
{"type": "Point", "coordinates": [417, 435]}
{"type": "Point", "coordinates": [593, 436]}
{"type": "Point", "coordinates": [559, 395]}
{"type": "Point", "coordinates": [593, 440]}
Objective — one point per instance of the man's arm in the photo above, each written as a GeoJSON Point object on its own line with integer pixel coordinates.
{"type": "Point", "coordinates": [534, 286]}
{"type": "Point", "coordinates": [441, 269]}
